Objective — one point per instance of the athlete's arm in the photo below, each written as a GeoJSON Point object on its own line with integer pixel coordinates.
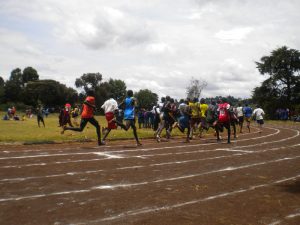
{"type": "Point", "coordinates": [89, 104]}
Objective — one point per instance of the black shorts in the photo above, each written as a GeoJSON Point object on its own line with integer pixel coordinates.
{"type": "Point", "coordinates": [241, 119]}
{"type": "Point", "coordinates": [260, 122]}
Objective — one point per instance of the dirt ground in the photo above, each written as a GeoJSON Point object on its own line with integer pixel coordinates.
{"type": "Point", "coordinates": [253, 180]}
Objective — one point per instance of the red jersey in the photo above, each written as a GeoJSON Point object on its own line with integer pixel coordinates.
{"type": "Point", "coordinates": [224, 112]}
{"type": "Point", "coordinates": [88, 111]}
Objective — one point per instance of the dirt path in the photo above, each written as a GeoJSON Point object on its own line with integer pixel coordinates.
{"type": "Point", "coordinates": [254, 180]}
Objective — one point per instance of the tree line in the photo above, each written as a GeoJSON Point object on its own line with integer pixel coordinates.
{"type": "Point", "coordinates": [25, 89]}
{"type": "Point", "coordinates": [280, 89]}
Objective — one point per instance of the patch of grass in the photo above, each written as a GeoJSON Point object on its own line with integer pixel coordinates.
{"type": "Point", "coordinates": [28, 132]}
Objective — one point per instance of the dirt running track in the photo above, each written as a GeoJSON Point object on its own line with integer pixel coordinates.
{"type": "Point", "coordinates": [254, 180]}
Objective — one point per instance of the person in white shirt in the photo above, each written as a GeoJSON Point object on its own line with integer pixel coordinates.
{"type": "Point", "coordinates": [258, 115]}
{"type": "Point", "coordinates": [110, 107]}
{"type": "Point", "coordinates": [240, 115]}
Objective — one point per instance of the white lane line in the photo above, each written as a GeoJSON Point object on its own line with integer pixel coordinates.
{"type": "Point", "coordinates": [50, 155]}
{"type": "Point", "coordinates": [18, 179]}
{"type": "Point", "coordinates": [291, 216]}
{"type": "Point", "coordinates": [116, 186]}
{"type": "Point", "coordinates": [111, 155]}
{"type": "Point", "coordinates": [280, 140]}
{"type": "Point", "coordinates": [144, 156]}
{"type": "Point", "coordinates": [126, 151]}
{"type": "Point", "coordinates": [149, 149]}
{"type": "Point", "coordinates": [154, 209]}
{"type": "Point", "coordinates": [60, 150]}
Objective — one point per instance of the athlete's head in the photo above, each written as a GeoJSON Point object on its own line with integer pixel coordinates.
{"type": "Point", "coordinates": [110, 95]}
{"type": "Point", "coordinates": [168, 98]}
{"type": "Point", "coordinates": [130, 93]}
{"type": "Point", "coordinates": [195, 100]}
{"type": "Point", "coordinates": [202, 101]}
{"type": "Point", "coordinates": [224, 99]}
{"type": "Point", "coordinates": [90, 92]}
{"type": "Point", "coordinates": [163, 99]}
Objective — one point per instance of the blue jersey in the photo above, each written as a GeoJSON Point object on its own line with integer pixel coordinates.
{"type": "Point", "coordinates": [129, 109]}
{"type": "Point", "coordinates": [247, 111]}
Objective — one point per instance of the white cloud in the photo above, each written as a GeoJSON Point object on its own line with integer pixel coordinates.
{"type": "Point", "coordinates": [233, 36]}
{"type": "Point", "coordinates": [154, 44]}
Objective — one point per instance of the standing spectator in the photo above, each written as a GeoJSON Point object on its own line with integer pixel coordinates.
{"type": "Point", "coordinates": [66, 116]}
{"type": "Point", "coordinates": [39, 115]}
{"type": "Point", "coordinates": [75, 114]}
{"type": "Point", "coordinates": [141, 118]}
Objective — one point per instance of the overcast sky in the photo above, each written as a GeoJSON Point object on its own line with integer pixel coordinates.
{"type": "Point", "coordinates": [154, 44]}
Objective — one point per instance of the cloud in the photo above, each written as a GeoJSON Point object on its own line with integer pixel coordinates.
{"type": "Point", "coordinates": [233, 36]}
{"type": "Point", "coordinates": [155, 44]}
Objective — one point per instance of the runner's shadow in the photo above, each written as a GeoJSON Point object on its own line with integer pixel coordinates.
{"type": "Point", "coordinates": [293, 187]}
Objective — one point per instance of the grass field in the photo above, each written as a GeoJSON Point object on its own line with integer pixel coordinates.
{"type": "Point", "coordinates": [28, 131]}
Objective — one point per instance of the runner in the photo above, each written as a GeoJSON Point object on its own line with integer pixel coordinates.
{"type": "Point", "coordinates": [87, 115]}
{"type": "Point", "coordinates": [233, 119]}
{"type": "Point", "coordinates": [248, 114]}
{"type": "Point", "coordinates": [223, 119]}
{"type": "Point", "coordinates": [203, 113]}
{"type": "Point", "coordinates": [165, 119]}
{"type": "Point", "coordinates": [258, 115]}
{"type": "Point", "coordinates": [195, 115]}
{"type": "Point", "coordinates": [240, 115]}
{"type": "Point", "coordinates": [184, 119]}
{"type": "Point", "coordinates": [110, 108]}
{"type": "Point", "coordinates": [129, 114]}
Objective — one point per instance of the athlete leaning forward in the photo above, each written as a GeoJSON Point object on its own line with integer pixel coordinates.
{"type": "Point", "coordinates": [223, 120]}
{"type": "Point", "coordinates": [184, 118]}
{"type": "Point", "coordinates": [87, 115]}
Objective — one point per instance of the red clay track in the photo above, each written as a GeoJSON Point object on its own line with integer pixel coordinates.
{"type": "Point", "coordinates": [254, 180]}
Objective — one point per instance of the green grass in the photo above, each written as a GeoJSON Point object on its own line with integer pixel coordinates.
{"type": "Point", "coordinates": [28, 131]}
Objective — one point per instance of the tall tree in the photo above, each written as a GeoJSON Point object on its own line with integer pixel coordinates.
{"type": "Point", "coordinates": [29, 74]}
{"type": "Point", "coordinates": [282, 66]}
{"type": "Point", "coordinates": [195, 88]}
{"type": "Point", "coordinates": [13, 87]}
{"type": "Point", "coordinates": [117, 88]}
{"type": "Point", "coordinates": [146, 98]}
{"type": "Point", "coordinates": [1, 90]}
{"type": "Point", "coordinates": [89, 81]}
{"type": "Point", "coordinates": [48, 93]}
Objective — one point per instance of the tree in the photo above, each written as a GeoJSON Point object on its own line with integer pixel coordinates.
{"type": "Point", "coordinates": [29, 74]}
{"type": "Point", "coordinates": [89, 81]}
{"type": "Point", "coordinates": [13, 87]}
{"type": "Point", "coordinates": [195, 88]}
{"type": "Point", "coordinates": [146, 98]}
{"type": "Point", "coordinates": [282, 67]}
{"type": "Point", "coordinates": [1, 90]}
{"type": "Point", "coordinates": [48, 93]}
{"type": "Point", "coordinates": [117, 89]}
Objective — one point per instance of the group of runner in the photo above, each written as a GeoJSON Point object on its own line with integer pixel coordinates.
{"type": "Point", "coordinates": [190, 115]}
